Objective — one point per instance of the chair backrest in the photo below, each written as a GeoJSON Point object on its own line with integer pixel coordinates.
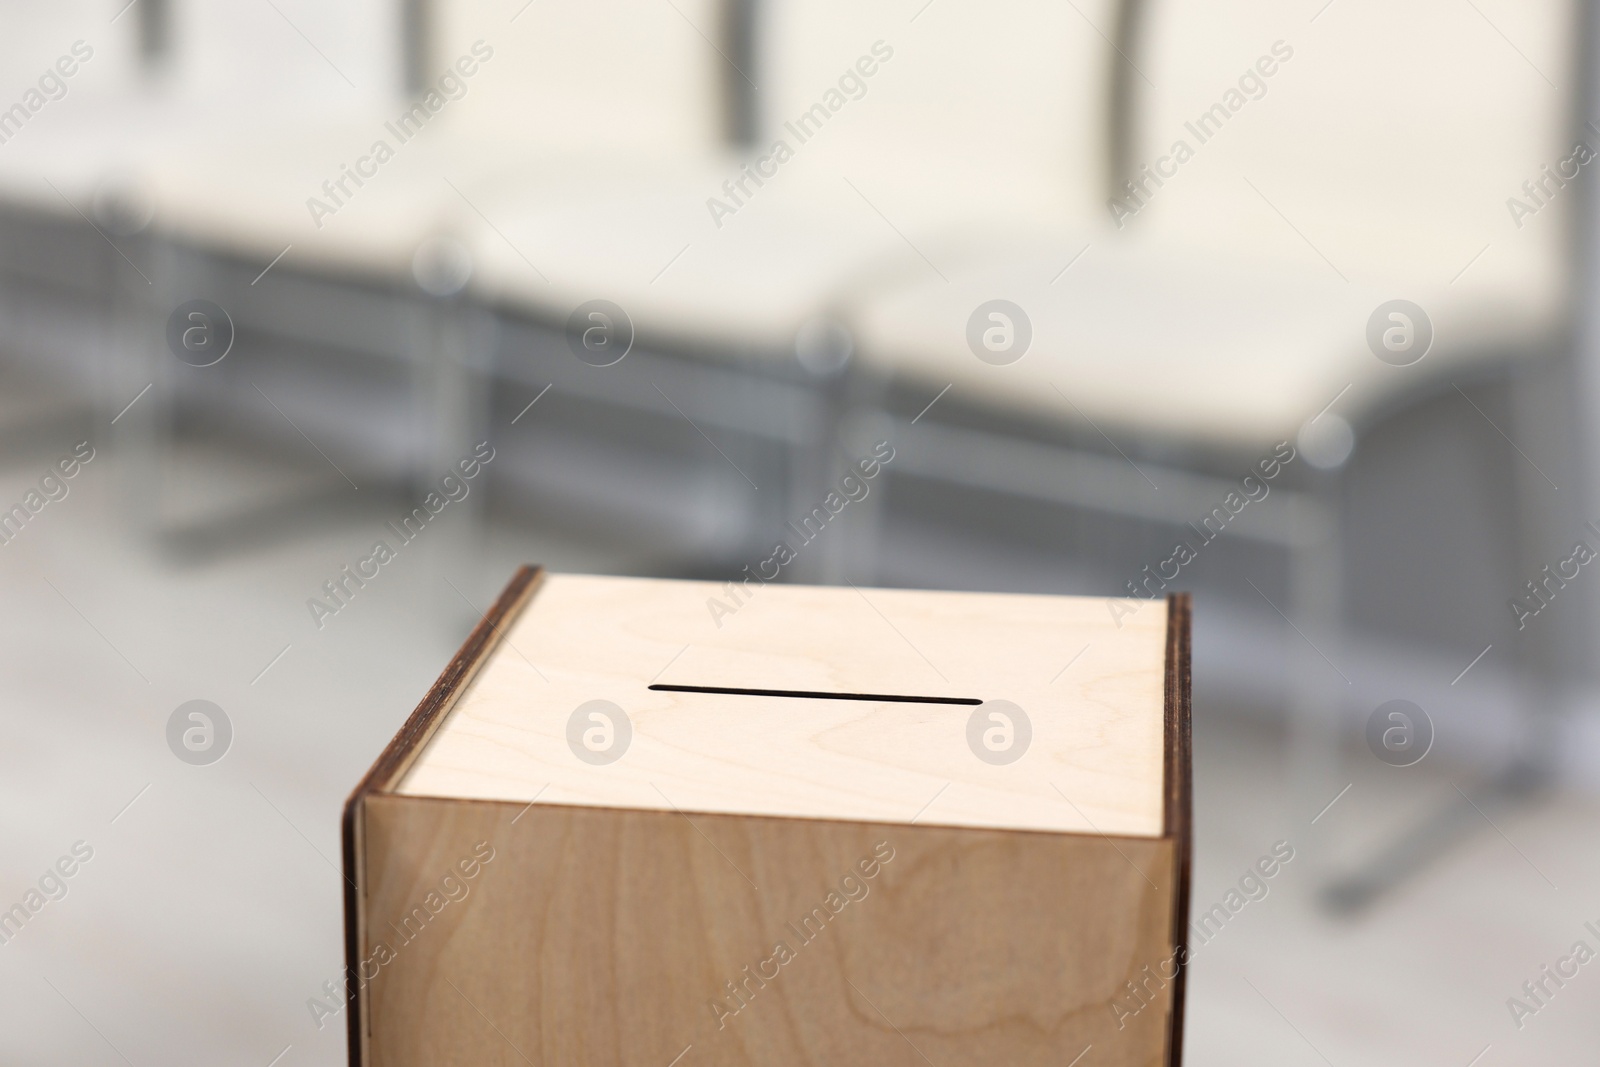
{"type": "Point", "coordinates": [37, 37]}
{"type": "Point", "coordinates": [988, 107]}
{"type": "Point", "coordinates": [640, 78]}
{"type": "Point", "coordinates": [286, 56]}
{"type": "Point", "coordinates": [1404, 143]}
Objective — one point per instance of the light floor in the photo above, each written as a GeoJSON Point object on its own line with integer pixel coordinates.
{"type": "Point", "coordinates": [210, 911]}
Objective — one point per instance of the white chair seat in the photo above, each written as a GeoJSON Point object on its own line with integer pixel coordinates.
{"type": "Point", "coordinates": [1175, 344]}
{"type": "Point", "coordinates": [236, 177]}
{"type": "Point", "coordinates": [253, 200]}
{"type": "Point", "coordinates": [795, 250]}
{"type": "Point", "coordinates": [86, 143]}
{"type": "Point", "coordinates": [189, 167]}
{"type": "Point", "coordinates": [448, 182]}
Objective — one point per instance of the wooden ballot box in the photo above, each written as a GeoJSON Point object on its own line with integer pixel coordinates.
{"type": "Point", "coordinates": [644, 823]}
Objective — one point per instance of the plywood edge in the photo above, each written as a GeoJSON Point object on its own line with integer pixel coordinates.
{"type": "Point", "coordinates": [413, 736]}
{"type": "Point", "coordinates": [1179, 813]}
{"type": "Point", "coordinates": [818, 820]}
{"type": "Point", "coordinates": [396, 757]}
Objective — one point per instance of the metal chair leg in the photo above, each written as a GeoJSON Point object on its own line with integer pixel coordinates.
{"type": "Point", "coordinates": [1532, 766]}
{"type": "Point", "coordinates": [1319, 686]}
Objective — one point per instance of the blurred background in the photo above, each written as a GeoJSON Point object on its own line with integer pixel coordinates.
{"type": "Point", "coordinates": [1283, 302]}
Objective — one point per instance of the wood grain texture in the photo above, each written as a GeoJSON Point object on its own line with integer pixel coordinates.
{"type": "Point", "coordinates": [1093, 690]}
{"type": "Point", "coordinates": [722, 892]}
{"type": "Point", "coordinates": [605, 937]}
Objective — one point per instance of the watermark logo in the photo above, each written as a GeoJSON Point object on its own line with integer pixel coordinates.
{"type": "Point", "coordinates": [853, 887]}
{"type": "Point", "coordinates": [1539, 991]}
{"type": "Point", "coordinates": [52, 86]}
{"type": "Point", "coordinates": [999, 332]}
{"type": "Point", "coordinates": [53, 486]}
{"type": "Point", "coordinates": [1399, 333]}
{"type": "Point", "coordinates": [999, 732]}
{"type": "Point", "coordinates": [599, 333]}
{"type": "Point", "coordinates": [1252, 886]}
{"type": "Point", "coordinates": [339, 591]}
{"type": "Point", "coordinates": [754, 175]}
{"type": "Point", "coordinates": [1253, 488]}
{"type": "Point", "coordinates": [599, 732]}
{"type": "Point", "coordinates": [199, 732]}
{"type": "Point", "coordinates": [452, 888]}
{"type": "Point", "coordinates": [853, 487]}
{"type": "Point", "coordinates": [1542, 190]}
{"type": "Point", "coordinates": [200, 333]}
{"type": "Point", "coordinates": [52, 886]}
{"type": "Point", "coordinates": [338, 190]}
{"type": "Point", "coordinates": [1553, 578]}
{"type": "Point", "coordinates": [1138, 191]}
{"type": "Point", "coordinates": [1399, 733]}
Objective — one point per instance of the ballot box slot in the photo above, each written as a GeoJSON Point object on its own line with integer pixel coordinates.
{"type": "Point", "coordinates": [808, 694]}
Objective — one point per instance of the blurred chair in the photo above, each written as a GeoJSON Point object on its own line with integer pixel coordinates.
{"type": "Point", "coordinates": [356, 279]}
{"type": "Point", "coordinates": [735, 268]}
{"type": "Point", "coordinates": [619, 112]}
{"type": "Point", "coordinates": [535, 100]}
{"type": "Point", "coordinates": [180, 83]}
{"type": "Point", "coordinates": [175, 83]}
{"type": "Point", "coordinates": [1333, 158]}
{"type": "Point", "coordinates": [56, 271]}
